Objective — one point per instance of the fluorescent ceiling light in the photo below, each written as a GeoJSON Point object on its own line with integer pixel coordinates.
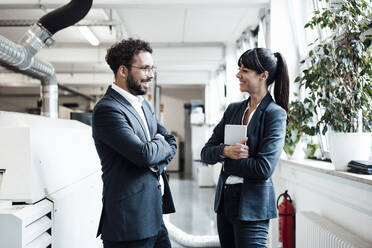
{"type": "Point", "coordinates": [88, 34]}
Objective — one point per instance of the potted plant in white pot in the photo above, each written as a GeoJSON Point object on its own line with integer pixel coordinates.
{"type": "Point", "coordinates": [338, 80]}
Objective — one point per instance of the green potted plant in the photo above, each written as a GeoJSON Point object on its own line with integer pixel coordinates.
{"type": "Point", "coordinates": [299, 128]}
{"type": "Point", "coordinates": [337, 80]}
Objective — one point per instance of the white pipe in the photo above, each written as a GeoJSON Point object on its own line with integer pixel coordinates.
{"type": "Point", "coordinates": [189, 240]}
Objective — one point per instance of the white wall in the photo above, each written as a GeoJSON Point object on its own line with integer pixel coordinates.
{"type": "Point", "coordinates": [215, 101]}
{"type": "Point", "coordinates": [233, 93]}
{"type": "Point", "coordinates": [174, 100]}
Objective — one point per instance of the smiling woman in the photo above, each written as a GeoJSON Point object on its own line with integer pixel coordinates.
{"type": "Point", "coordinates": [245, 197]}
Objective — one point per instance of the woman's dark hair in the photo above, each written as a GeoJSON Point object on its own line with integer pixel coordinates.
{"type": "Point", "coordinates": [261, 60]}
{"type": "Point", "coordinates": [121, 53]}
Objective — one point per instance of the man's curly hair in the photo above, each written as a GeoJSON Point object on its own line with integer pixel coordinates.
{"type": "Point", "coordinates": [121, 53]}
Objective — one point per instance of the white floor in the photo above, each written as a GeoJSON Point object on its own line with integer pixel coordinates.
{"type": "Point", "coordinates": [194, 207]}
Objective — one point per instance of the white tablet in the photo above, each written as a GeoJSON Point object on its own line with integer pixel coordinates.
{"type": "Point", "coordinates": [234, 133]}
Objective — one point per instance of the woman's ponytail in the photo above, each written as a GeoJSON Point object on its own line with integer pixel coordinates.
{"type": "Point", "coordinates": [281, 88]}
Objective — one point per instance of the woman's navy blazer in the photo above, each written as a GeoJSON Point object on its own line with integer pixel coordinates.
{"type": "Point", "coordinates": [266, 134]}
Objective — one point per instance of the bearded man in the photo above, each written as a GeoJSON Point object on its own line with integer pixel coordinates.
{"type": "Point", "coordinates": [134, 148]}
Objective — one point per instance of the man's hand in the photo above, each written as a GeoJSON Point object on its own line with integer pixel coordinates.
{"type": "Point", "coordinates": [237, 151]}
{"type": "Point", "coordinates": [159, 135]}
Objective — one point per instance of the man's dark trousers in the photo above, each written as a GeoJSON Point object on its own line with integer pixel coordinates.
{"type": "Point", "coordinates": [159, 241]}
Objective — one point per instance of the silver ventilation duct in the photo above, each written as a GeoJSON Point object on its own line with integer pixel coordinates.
{"type": "Point", "coordinates": [20, 58]}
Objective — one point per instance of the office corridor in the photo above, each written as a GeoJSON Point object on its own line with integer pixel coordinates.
{"type": "Point", "coordinates": [194, 207]}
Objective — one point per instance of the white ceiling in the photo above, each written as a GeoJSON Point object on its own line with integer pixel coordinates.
{"type": "Point", "coordinates": [188, 36]}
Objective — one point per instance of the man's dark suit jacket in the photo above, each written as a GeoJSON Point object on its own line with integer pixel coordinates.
{"type": "Point", "coordinates": [132, 201]}
{"type": "Point", "coordinates": [266, 133]}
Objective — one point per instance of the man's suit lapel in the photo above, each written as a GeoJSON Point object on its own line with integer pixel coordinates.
{"type": "Point", "coordinates": [126, 105]}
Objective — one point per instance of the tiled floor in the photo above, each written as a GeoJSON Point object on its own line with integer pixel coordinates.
{"type": "Point", "coordinates": [194, 207]}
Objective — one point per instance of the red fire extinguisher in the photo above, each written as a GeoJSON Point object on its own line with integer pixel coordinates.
{"type": "Point", "coordinates": [286, 221]}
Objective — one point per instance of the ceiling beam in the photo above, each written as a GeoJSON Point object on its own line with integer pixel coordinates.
{"type": "Point", "coordinates": [121, 28]}
{"type": "Point", "coordinates": [119, 4]}
{"type": "Point", "coordinates": [77, 93]}
{"type": "Point", "coordinates": [16, 79]}
{"type": "Point", "coordinates": [27, 23]}
{"type": "Point", "coordinates": [154, 45]}
{"type": "Point", "coordinates": [87, 90]}
{"type": "Point", "coordinates": [162, 55]}
{"type": "Point", "coordinates": [166, 77]}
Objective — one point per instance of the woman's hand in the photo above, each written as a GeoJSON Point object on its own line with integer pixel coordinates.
{"type": "Point", "coordinates": [236, 151]}
{"type": "Point", "coordinates": [159, 135]}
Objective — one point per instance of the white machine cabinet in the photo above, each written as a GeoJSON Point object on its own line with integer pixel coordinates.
{"type": "Point", "coordinates": [50, 185]}
{"type": "Point", "coordinates": [26, 225]}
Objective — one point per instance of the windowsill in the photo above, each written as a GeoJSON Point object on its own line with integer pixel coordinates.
{"type": "Point", "coordinates": [328, 168]}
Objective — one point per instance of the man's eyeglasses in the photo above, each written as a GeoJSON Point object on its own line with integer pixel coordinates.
{"type": "Point", "coordinates": [145, 69]}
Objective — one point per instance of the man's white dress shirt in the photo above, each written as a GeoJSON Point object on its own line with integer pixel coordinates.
{"type": "Point", "coordinates": [136, 102]}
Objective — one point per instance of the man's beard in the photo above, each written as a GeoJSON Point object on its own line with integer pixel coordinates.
{"type": "Point", "coordinates": [135, 86]}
